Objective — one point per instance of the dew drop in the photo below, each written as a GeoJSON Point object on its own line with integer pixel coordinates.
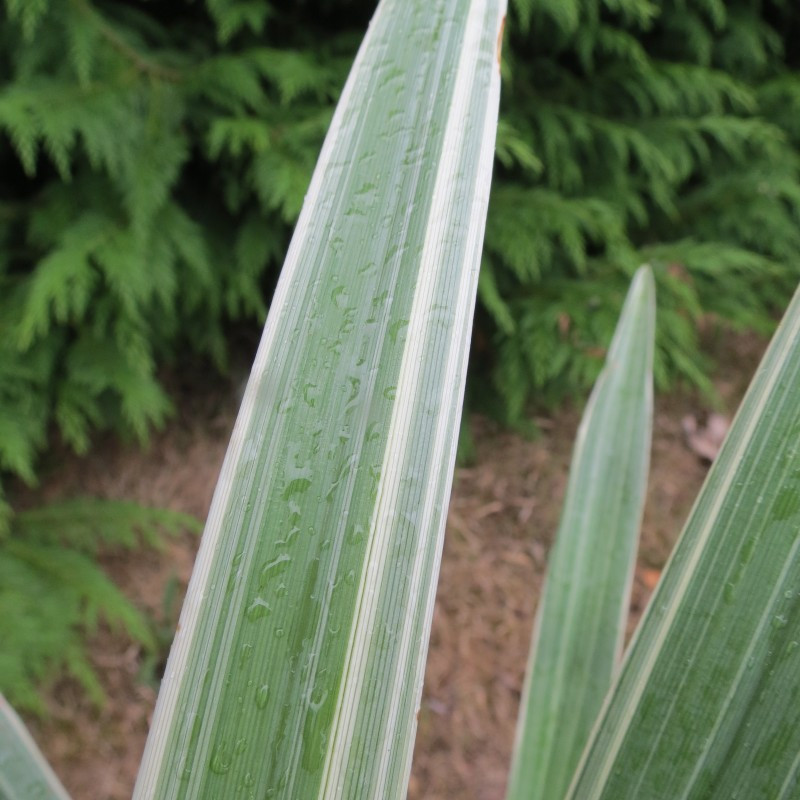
{"type": "Point", "coordinates": [339, 295]}
{"type": "Point", "coordinates": [295, 487]}
{"type": "Point", "coordinates": [356, 534]}
{"type": "Point", "coordinates": [748, 548]}
{"type": "Point", "coordinates": [279, 633]}
{"type": "Point", "coordinates": [257, 609]}
{"type": "Point", "coordinates": [194, 727]}
{"type": "Point", "coordinates": [309, 394]}
{"type": "Point", "coordinates": [246, 654]}
{"type": "Point", "coordinates": [272, 568]}
{"type": "Point", "coordinates": [285, 406]}
{"type": "Point", "coordinates": [396, 328]}
{"type": "Point", "coordinates": [240, 746]}
{"type": "Point", "coordinates": [220, 760]}
{"type": "Point", "coordinates": [317, 700]}
{"type": "Point", "coordinates": [355, 388]}
{"type": "Point", "coordinates": [232, 578]}
{"type": "Point", "coordinates": [289, 536]}
{"type": "Point", "coordinates": [262, 696]}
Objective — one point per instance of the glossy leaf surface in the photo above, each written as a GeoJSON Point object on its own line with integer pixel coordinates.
{"type": "Point", "coordinates": [298, 664]}
{"type": "Point", "coordinates": [583, 610]}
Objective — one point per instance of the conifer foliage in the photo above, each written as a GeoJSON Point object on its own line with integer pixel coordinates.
{"type": "Point", "coordinates": [632, 132]}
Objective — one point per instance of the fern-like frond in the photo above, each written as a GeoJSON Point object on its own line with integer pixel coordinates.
{"type": "Point", "coordinates": [233, 16]}
{"type": "Point", "coordinates": [52, 592]}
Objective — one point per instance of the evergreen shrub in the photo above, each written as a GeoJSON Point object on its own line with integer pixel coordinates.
{"type": "Point", "coordinates": [155, 157]}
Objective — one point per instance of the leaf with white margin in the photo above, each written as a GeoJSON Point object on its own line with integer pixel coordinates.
{"type": "Point", "coordinates": [708, 701]}
{"type": "Point", "coordinates": [583, 610]}
{"type": "Point", "coordinates": [297, 667]}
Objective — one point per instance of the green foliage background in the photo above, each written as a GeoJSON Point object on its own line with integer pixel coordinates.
{"type": "Point", "coordinates": [154, 157]}
{"type": "Point", "coordinates": [638, 131]}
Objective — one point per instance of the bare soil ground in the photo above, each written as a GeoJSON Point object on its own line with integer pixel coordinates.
{"type": "Point", "coordinates": [503, 514]}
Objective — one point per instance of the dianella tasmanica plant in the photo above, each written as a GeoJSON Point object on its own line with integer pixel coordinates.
{"type": "Point", "coordinates": [297, 667]}
{"type": "Point", "coordinates": [704, 704]}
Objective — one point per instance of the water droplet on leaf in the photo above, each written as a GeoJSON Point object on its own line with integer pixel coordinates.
{"type": "Point", "coordinates": [220, 760]}
{"type": "Point", "coordinates": [262, 696]}
{"type": "Point", "coordinates": [257, 609]}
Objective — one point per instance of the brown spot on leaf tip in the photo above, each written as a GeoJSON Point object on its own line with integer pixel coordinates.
{"type": "Point", "coordinates": [500, 38]}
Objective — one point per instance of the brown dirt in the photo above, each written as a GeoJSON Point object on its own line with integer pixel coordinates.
{"type": "Point", "coordinates": [503, 514]}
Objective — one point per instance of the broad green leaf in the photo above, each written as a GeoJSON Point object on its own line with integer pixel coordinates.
{"type": "Point", "coordinates": [581, 617]}
{"type": "Point", "coordinates": [297, 667]}
{"type": "Point", "coordinates": [708, 701]}
{"type": "Point", "coordinates": [24, 773]}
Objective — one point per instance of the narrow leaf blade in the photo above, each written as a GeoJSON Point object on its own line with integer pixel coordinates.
{"type": "Point", "coordinates": [707, 701]}
{"type": "Point", "coordinates": [582, 613]}
{"type": "Point", "coordinates": [298, 663]}
{"type": "Point", "coordinates": [24, 772]}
